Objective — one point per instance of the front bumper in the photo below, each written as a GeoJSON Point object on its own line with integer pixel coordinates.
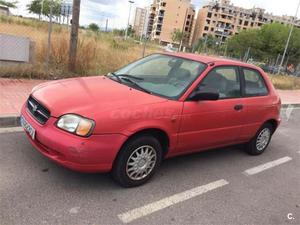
{"type": "Point", "coordinates": [92, 154]}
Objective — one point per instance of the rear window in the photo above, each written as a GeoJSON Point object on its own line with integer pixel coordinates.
{"type": "Point", "coordinates": [254, 83]}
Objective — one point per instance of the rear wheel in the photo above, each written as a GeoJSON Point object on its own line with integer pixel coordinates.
{"type": "Point", "coordinates": [261, 140]}
{"type": "Point", "coordinates": [137, 161]}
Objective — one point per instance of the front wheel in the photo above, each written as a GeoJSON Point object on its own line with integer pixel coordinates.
{"type": "Point", "coordinates": [261, 140]}
{"type": "Point", "coordinates": [137, 161]}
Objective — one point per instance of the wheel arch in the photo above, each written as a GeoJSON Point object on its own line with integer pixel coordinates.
{"type": "Point", "coordinates": [161, 135]}
{"type": "Point", "coordinates": [273, 122]}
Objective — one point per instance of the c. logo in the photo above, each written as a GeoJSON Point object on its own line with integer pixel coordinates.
{"type": "Point", "coordinates": [290, 216]}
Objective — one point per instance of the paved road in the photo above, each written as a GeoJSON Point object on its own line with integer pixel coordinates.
{"type": "Point", "coordinates": [206, 188]}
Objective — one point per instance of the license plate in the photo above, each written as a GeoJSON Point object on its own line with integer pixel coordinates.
{"type": "Point", "coordinates": [27, 127]}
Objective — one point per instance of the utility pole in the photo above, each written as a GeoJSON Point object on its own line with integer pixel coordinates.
{"type": "Point", "coordinates": [144, 45]}
{"type": "Point", "coordinates": [42, 9]}
{"type": "Point", "coordinates": [289, 38]}
{"type": "Point", "coordinates": [247, 54]}
{"type": "Point", "coordinates": [183, 30]}
{"type": "Point", "coordinates": [126, 31]}
{"type": "Point", "coordinates": [205, 44]}
{"type": "Point", "coordinates": [49, 38]}
{"type": "Point", "coordinates": [106, 25]}
{"type": "Point", "coordinates": [74, 35]}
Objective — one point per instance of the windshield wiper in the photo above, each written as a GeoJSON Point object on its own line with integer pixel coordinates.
{"type": "Point", "coordinates": [116, 76]}
{"type": "Point", "coordinates": [135, 84]}
{"type": "Point", "coordinates": [130, 76]}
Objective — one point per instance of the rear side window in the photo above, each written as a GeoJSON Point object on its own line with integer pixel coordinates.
{"type": "Point", "coordinates": [224, 80]}
{"type": "Point", "coordinates": [254, 83]}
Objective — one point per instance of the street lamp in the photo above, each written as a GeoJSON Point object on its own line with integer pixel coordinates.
{"type": "Point", "coordinates": [289, 38]}
{"type": "Point", "coordinates": [126, 31]}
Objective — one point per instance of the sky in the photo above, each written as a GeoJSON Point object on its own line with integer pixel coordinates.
{"type": "Point", "coordinates": [116, 11]}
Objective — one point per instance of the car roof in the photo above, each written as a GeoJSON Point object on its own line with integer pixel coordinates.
{"type": "Point", "coordinates": [211, 59]}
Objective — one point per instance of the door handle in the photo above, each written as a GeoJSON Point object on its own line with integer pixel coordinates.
{"type": "Point", "coordinates": [238, 107]}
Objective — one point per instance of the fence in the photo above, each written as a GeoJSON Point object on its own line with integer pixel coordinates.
{"type": "Point", "coordinates": [99, 52]}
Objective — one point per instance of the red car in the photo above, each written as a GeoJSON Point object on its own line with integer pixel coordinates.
{"type": "Point", "coordinates": [160, 106]}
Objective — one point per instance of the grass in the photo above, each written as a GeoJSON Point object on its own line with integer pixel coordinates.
{"type": "Point", "coordinates": [285, 82]}
{"type": "Point", "coordinates": [98, 53]}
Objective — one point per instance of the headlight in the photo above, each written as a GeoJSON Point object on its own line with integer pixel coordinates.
{"type": "Point", "coordinates": [76, 124]}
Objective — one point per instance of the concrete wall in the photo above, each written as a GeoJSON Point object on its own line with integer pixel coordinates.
{"type": "Point", "coordinates": [15, 49]}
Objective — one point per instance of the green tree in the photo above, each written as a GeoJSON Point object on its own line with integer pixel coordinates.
{"type": "Point", "coordinates": [9, 4]}
{"type": "Point", "coordinates": [177, 36]}
{"type": "Point", "coordinates": [266, 43]}
{"type": "Point", "coordinates": [35, 7]}
{"type": "Point", "coordinates": [131, 31]}
{"type": "Point", "coordinates": [94, 27]}
{"type": "Point", "coordinates": [205, 44]}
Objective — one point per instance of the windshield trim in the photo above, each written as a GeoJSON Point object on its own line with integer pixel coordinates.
{"type": "Point", "coordinates": [164, 96]}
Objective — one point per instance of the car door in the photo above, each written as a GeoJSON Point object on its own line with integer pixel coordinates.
{"type": "Point", "coordinates": [209, 124]}
{"type": "Point", "coordinates": [257, 102]}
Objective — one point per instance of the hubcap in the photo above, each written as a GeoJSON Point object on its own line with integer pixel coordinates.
{"type": "Point", "coordinates": [263, 139]}
{"type": "Point", "coordinates": [141, 162]}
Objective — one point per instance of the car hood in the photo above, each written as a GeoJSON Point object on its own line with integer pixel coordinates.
{"type": "Point", "coordinates": [89, 96]}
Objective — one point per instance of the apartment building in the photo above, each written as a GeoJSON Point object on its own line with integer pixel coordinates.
{"type": "Point", "coordinates": [222, 19]}
{"type": "Point", "coordinates": [166, 16]}
{"type": "Point", "coordinates": [140, 23]}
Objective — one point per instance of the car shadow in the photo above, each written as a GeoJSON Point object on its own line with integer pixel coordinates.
{"type": "Point", "coordinates": [172, 167]}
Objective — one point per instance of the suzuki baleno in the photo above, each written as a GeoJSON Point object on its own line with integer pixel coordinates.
{"type": "Point", "coordinates": [160, 106]}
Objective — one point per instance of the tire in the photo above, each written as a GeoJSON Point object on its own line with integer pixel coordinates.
{"type": "Point", "coordinates": [262, 139]}
{"type": "Point", "coordinates": [128, 163]}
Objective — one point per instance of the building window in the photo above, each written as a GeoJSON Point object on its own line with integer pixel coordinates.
{"type": "Point", "coordinates": [212, 29]}
{"type": "Point", "coordinates": [246, 23]}
{"type": "Point", "coordinates": [209, 15]}
{"type": "Point", "coordinates": [186, 29]}
{"type": "Point", "coordinates": [189, 16]}
{"type": "Point", "coordinates": [206, 28]}
{"type": "Point", "coordinates": [163, 4]}
{"type": "Point", "coordinates": [187, 23]}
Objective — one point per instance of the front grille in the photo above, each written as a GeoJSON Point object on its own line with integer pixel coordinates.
{"type": "Point", "coordinates": [37, 110]}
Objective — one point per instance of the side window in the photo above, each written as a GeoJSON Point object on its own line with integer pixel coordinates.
{"type": "Point", "coordinates": [254, 83]}
{"type": "Point", "coordinates": [224, 80]}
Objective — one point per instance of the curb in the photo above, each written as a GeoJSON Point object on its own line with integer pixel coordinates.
{"type": "Point", "coordinates": [13, 120]}
{"type": "Point", "coordinates": [283, 106]}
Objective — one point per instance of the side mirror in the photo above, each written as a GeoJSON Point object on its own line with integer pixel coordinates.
{"type": "Point", "coordinates": [204, 96]}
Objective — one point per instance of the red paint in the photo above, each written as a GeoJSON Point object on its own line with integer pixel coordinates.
{"type": "Point", "coordinates": [120, 111]}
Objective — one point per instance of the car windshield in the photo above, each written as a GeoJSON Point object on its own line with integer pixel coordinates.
{"type": "Point", "coordinates": [164, 75]}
